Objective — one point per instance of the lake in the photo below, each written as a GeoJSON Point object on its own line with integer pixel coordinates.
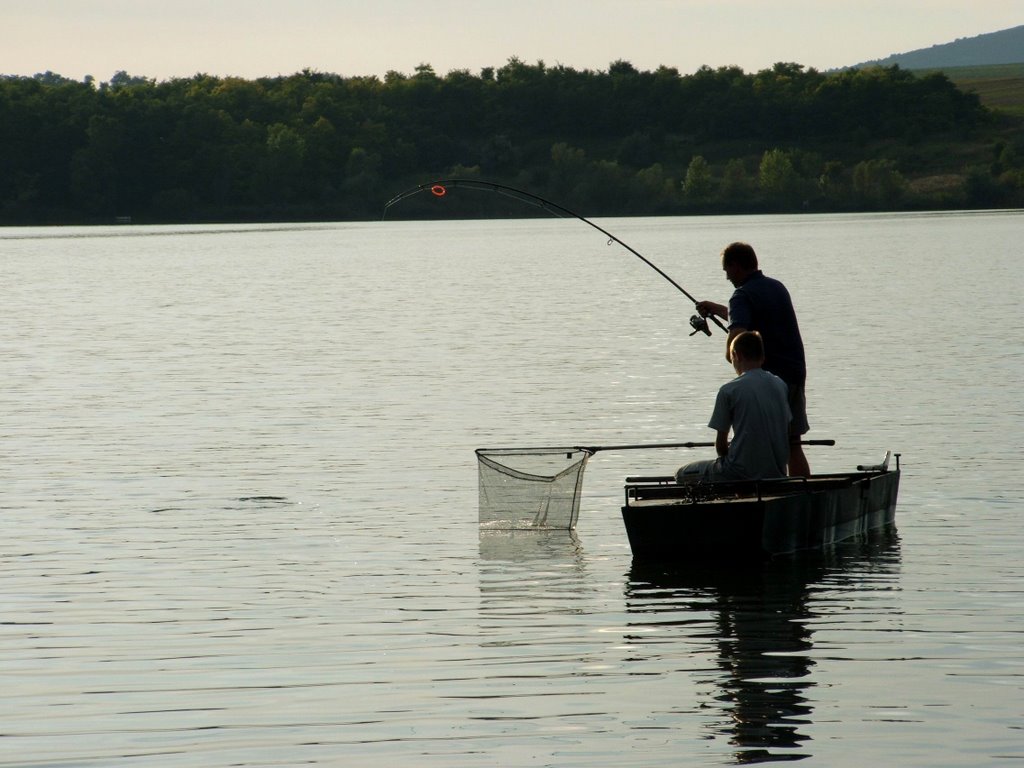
{"type": "Point", "coordinates": [240, 497]}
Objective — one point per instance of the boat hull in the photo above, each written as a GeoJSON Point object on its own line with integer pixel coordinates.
{"type": "Point", "coordinates": [669, 522]}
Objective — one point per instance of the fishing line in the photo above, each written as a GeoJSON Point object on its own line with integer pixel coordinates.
{"type": "Point", "coordinates": [440, 189]}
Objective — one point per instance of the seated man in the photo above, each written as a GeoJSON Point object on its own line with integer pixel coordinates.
{"type": "Point", "coordinates": [755, 406]}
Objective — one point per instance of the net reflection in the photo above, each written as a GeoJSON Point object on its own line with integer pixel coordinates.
{"type": "Point", "coordinates": [533, 591]}
{"type": "Point", "coordinates": [511, 546]}
{"type": "Point", "coordinates": [756, 626]}
{"type": "Point", "coordinates": [529, 581]}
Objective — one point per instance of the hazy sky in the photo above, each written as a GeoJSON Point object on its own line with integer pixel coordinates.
{"type": "Point", "coordinates": [178, 38]}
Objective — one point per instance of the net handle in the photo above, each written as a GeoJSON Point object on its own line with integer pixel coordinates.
{"type": "Point", "coordinates": [592, 449]}
{"type": "Point", "coordinates": [596, 448]}
{"type": "Point", "coordinates": [587, 449]}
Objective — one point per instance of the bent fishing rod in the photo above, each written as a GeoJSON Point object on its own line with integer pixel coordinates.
{"type": "Point", "coordinates": [440, 188]}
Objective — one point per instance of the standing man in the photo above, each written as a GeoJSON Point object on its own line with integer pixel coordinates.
{"type": "Point", "coordinates": [763, 304]}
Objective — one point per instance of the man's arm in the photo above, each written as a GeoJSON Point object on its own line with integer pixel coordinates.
{"type": "Point", "coordinates": [734, 331]}
{"type": "Point", "coordinates": [742, 314]}
{"type": "Point", "coordinates": [722, 442]}
{"type": "Point", "coordinates": [711, 308]}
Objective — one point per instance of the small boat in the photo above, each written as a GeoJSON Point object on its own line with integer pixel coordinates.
{"type": "Point", "coordinates": [688, 522]}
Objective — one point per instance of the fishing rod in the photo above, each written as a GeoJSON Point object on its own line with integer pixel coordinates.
{"type": "Point", "coordinates": [440, 188]}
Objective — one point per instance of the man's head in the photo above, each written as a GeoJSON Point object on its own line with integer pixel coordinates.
{"type": "Point", "coordinates": [738, 261]}
{"type": "Point", "coordinates": [747, 351]}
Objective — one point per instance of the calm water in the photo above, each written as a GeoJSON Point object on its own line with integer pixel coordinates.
{"type": "Point", "coordinates": [239, 497]}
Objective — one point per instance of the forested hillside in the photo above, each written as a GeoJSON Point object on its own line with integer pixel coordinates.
{"type": "Point", "coordinates": [621, 141]}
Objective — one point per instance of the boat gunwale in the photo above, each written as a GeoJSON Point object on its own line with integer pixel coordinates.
{"type": "Point", "coordinates": [647, 492]}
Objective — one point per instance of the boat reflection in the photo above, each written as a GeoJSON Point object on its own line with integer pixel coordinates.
{"type": "Point", "coordinates": [755, 624]}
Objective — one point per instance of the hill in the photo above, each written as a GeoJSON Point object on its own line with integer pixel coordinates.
{"type": "Point", "coordinates": [990, 65]}
{"type": "Point", "coordinates": [999, 86]}
{"type": "Point", "coordinates": [1003, 47]}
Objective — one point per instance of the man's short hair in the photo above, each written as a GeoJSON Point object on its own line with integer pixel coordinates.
{"type": "Point", "coordinates": [740, 254]}
{"type": "Point", "coordinates": [749, 345]}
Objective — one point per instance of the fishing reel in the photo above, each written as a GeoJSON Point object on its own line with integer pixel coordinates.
{"type": "Point", "coordinates": [699, 324]}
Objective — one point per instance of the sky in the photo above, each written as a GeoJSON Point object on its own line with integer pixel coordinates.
{"type": "Point", "coordinates": [246, 38]}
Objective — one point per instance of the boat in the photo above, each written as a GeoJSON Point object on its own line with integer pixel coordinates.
{"type": "Point", "coordinates": [689, 522]}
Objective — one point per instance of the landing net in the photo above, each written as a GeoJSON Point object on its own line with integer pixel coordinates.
{"type": "Point", "coordinates": [530, 487]}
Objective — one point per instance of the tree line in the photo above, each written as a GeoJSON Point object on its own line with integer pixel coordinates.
{"type": "Point", "coordinates": [614, 142]}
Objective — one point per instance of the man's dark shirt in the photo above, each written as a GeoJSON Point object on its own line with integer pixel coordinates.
{"type": "Point", "coordinates": [763, 304]}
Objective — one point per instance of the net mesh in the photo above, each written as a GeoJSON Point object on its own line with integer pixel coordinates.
{"type": "Point", "coordinates": [530, 487]}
